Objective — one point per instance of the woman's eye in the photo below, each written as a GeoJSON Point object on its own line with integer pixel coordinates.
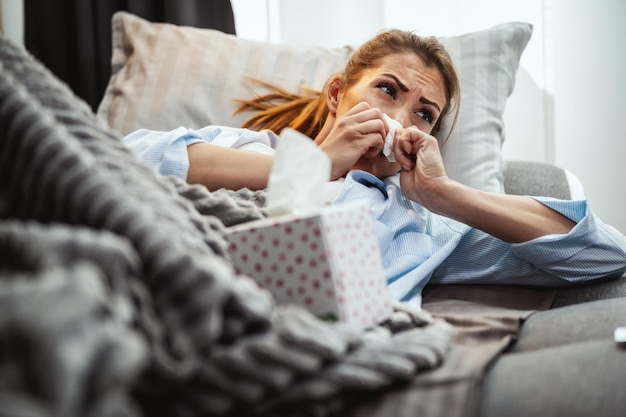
{"type": "Point", "coordinates": [426, 115]}
{"type": "Point", "coordinates": [388, 89]}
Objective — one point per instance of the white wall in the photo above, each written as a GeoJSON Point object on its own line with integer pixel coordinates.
{"type": "Point", "coordinates": [570, 93]}
{"type": "Point", "coordinates": [590, 100]}
{"type": "Point", "coordinates": [13, 19]}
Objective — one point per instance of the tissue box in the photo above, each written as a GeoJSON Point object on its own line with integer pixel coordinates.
{"type": "Point", "coordinates": [327, 261]}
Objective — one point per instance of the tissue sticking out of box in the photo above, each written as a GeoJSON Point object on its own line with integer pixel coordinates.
{"type": "Point", "coordinates": [299, 174]}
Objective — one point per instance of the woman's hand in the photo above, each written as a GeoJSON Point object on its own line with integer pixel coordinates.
{"type": "Point", "coordinates": [423, 175]}
{"type": "Point", "coordinates": [359, 132]}
{"type": "Point", "coordinates": [511, 218]}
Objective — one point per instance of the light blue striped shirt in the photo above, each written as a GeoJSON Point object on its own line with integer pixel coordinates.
{"type": "Point", "coordinates": [418, 246]}
{"type": "Point", "coordinates": [166, 152]}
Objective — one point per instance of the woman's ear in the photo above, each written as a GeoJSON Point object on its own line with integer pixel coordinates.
{"type": "Point", "coordinates": [332, 93]}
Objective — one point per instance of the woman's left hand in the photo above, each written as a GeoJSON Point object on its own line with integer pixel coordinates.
{"type": "Point", "coordinates": [423, 174]}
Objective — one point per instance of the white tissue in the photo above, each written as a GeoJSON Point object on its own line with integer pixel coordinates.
{"type": "Point", "coordinates": [299, 175]}
{"type": "Point", "coordinates": [388, 147]}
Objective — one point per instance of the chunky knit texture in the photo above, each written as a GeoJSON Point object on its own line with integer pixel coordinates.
{"type": "Point", "coordinates": [117, 297]}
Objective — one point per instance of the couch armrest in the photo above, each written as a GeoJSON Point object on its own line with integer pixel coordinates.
{"type": "Point", "coordinates": [541, 179]}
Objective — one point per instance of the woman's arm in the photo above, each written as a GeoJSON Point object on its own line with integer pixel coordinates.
{"type": "Point", "coordinates": [215, 156]}
{"type": "Point", "coordinates": [510, 218]}
{"type": "Point", "coordinates": [217, 167]}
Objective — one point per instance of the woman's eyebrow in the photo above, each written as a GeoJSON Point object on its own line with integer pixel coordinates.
{"type": "Point", "coordinates": [430, 103]}
{"type": "Point", "coordinates": [404, 88]}
{"type": "Point", "coordinates": [401, 86]}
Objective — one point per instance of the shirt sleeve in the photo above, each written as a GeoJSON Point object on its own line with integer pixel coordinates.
{"type": "Point", "coordinates": [592, 250]}
{"type": "Point", "coordinates": [166, 152]}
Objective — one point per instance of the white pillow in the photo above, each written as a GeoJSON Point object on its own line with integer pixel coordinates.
{"type": "Point", "coordinates": [165, 76]}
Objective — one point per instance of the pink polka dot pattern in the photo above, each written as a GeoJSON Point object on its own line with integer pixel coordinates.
{"type": "Point", "coordinates": [327, 262]}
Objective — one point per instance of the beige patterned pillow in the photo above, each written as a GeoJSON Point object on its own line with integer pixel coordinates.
{"type": "Point", "coordinates": [165, 76]}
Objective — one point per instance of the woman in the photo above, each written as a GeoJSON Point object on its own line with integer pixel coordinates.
{"type": "Point", "coordinates": [435, 229]}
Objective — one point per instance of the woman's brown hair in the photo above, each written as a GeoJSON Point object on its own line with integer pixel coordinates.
{"type": "Point", "coordinates": [307, 110]}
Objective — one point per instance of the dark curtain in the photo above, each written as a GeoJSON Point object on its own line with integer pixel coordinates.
{"type": "Point", "coordinates": [73, 37]}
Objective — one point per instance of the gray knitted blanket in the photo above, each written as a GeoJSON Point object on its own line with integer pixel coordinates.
{"type": "Point", "coordinates": [117, 297]}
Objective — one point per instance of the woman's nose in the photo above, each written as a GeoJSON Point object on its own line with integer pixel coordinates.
{"type": "Point", "coordinates": [397, 116]}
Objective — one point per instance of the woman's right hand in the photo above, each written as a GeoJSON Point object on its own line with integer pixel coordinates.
{"type": "Point", "coordinates": [358, 132]}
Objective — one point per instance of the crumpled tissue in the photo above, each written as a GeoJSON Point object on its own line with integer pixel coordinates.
{"type": "Point", "coordinates": [389, 139]}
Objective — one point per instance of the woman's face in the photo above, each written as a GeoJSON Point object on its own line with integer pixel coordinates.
{"type": "Point", "coordinates": [406, 90]}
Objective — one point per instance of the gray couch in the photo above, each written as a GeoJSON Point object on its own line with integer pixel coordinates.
{"type": "Point", "coordinates": [536, 178]}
